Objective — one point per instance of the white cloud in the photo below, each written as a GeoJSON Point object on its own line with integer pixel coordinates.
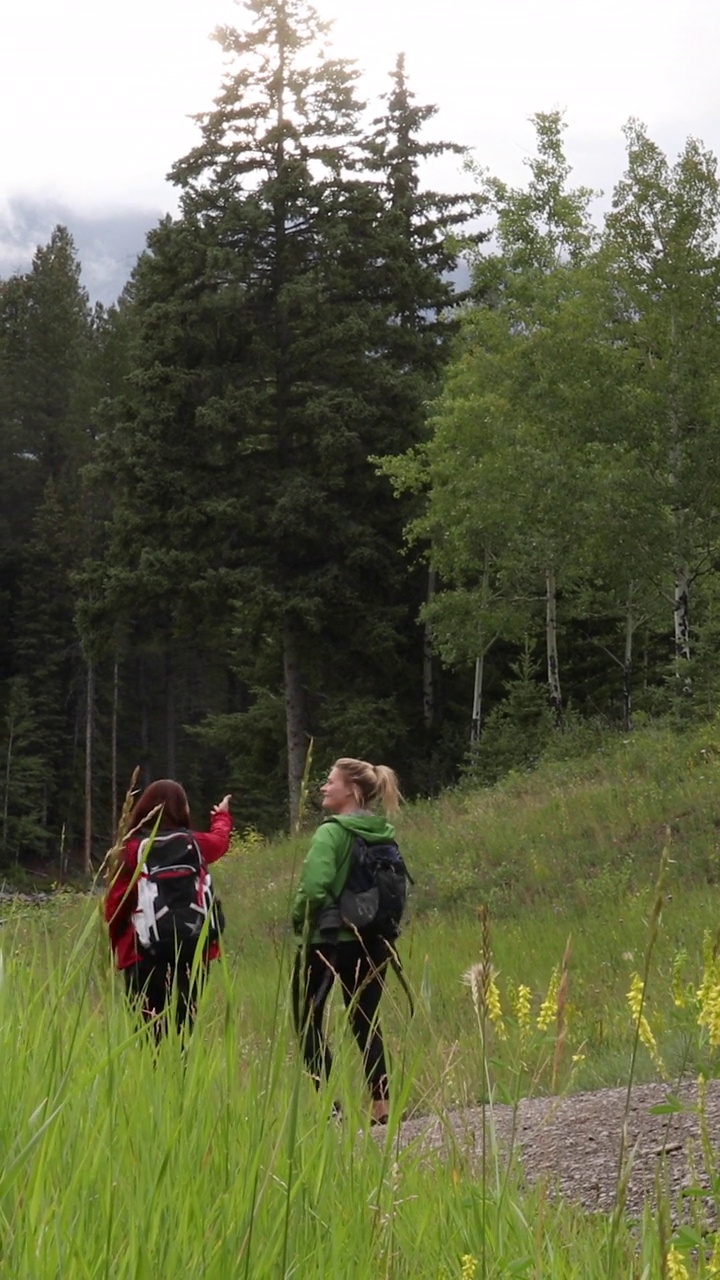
{"type": "Point", "coordinates": [95, 96]}
{"type": "Point", "coordinates": [99, 94]}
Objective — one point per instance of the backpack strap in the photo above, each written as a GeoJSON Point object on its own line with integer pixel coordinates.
{"type": "Point", "coordinates": [331, 909]}
{"type": "Point", "coordinates": [348, 856]}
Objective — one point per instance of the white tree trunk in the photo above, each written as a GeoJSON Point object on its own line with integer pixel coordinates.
{"type": "Point", "coordinates": [553, 665]}
{"type": "Point", "coordinates": [681, 616]}
{"type": "Point", "coordinates": [477, 714]}
{"type": "Point", "coordinates": [681, 620]}
{"type": "Point", "coordinates": [681, 595]}
{"type": "Point", "coordinates": [476, 722]}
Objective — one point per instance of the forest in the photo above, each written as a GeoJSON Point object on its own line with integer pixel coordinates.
{"type": "Point", "coordinates": [298, 495]}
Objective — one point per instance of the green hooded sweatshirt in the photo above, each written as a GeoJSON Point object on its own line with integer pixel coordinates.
{"type": "Point", "coordinates": [324, 871]}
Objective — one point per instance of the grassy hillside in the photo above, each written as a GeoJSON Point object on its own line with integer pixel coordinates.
{"type": "Point", "coordinates": [572, 849]}
{"type": "Point", "coordinates": [570, 834]}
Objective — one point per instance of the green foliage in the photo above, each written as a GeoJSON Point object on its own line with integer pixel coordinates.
{"type": "Point", "coordinates": [512, 468]}
{"type": "Point", "coordinates": [704, 677]}
{"type": "Point", "coordinates": [239, 450]}
{"type": "Point", "coordinates": [572, 437]}
{"type": "Point", "coordinates": [193, 499]}
{"type": "Point", "coordinates": [246, 744]}
{"type": "Point", "coordinates": [277, 1170]}
{"type": "Point", "coordinates": [661, 255]}
{"type": "Point", "coordinates": [47, 393]}
{"type": "Point", "coordinates": [517, 730]}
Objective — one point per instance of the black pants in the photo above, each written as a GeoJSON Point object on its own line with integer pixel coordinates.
{"type": "Point", "coordinates": [152, 984]}
{"type": "Point", "coordinates": [361, 969]}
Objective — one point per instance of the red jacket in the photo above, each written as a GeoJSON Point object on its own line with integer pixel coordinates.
{"type": "Point", "coordinates": [121, 900]}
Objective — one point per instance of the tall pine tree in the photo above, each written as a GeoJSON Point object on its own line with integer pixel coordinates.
{"type": "Point", "coordinates": [45, 347]}
{"type": "Point", "coordinates": [268, 369]}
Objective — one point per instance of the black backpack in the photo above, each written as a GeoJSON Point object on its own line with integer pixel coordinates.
{"type": "Point", "coordinates": [176, 903]}
{"type": "Point", "coordinates": [375, 894]}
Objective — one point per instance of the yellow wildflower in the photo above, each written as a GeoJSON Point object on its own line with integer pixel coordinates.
{"type": "Point", "coordinates": [494, 1009]}
{"type": "Point", "coordinates": [676, 1268]}
{"type": "Point", "coordinates": [548, 1008]}
{"type": "Point", "coordinates": [469, 1267]}
{"type": "Point", "coordinates": [709, 1015]}
{"type": "Point", "coordinates": [635, 1000]}
{"type": "Point", "coordinates": [522, 1007]}
{"type": "Point", "coordinates": [485, 995]}
{"type": "Point", "coordinates": [708, 995]}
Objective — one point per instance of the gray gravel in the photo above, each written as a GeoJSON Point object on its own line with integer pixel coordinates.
{"type": "Point", "coordinates": [573, 1144]}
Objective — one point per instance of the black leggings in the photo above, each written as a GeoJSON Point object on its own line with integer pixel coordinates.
{"type": "Point", "coordinates": [149, 986]}
{"type": "Point", "coordinates": [361, 970]}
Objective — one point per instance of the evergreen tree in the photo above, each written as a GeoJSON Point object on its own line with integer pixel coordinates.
{"type": "Point", "coordinates": [49, 659]}
{"type": "Point", "coordinates": [23, 776]}
{"type": "Point", "coordinates": [420, 228]}
{"type": "Point", "coordinates": [19, 473]}
{"type": "Point", "coordinates": [421, 252]}
{"type": "Point", "coordinates": [266, 371]}
{"type": "Point", "coordinates": [517, 730]}
{"type": "Point", "coordinates": [48, 349]}
{"type": "Point", "coordinates": [45, 345]}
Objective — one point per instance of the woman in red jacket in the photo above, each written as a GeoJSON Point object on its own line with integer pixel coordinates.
{"type": "Point", "coordinates": [149, 978]}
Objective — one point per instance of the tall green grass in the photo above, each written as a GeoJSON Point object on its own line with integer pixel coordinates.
{"type": "Point", "coordinates": [222, 1161]}
{"type": "Point", "coordinates": [123, 1161]}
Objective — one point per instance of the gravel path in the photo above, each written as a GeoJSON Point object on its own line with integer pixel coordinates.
{"type": "Point", "coordinates": [573, 1143]}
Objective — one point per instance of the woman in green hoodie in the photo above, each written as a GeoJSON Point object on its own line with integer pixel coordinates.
{"type": "Point", "coordinates": [327, 950]}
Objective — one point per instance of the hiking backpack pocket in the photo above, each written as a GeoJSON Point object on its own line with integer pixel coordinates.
{"type": "Point", "coordinates": [375, 894]}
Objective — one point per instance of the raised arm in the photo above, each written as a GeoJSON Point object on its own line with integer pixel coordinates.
{"type": "Point", "coordinates": [214, 843]}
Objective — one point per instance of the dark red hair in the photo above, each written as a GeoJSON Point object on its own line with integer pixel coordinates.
{"type": "Point", "coordinates": [175, 812]}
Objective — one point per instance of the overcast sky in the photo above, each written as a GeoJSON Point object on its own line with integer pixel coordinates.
{"type": "Point", "coordinates": [95, 95]}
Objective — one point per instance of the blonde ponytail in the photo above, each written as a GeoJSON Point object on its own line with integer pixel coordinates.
{"type": "Point", "coordinates": [373, 783]}
{"type": "Point", "coordinates": [387, 789]}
